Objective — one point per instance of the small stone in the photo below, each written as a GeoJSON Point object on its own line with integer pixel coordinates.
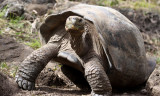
{"type": "Point", "coordinates": [130, 13]}
{"type": "Point", "coordinates": [124, 93]}
{"type": "Point", "coordinates": [144, 91]}
{"type": "Point", "coordinates": [157, 74]}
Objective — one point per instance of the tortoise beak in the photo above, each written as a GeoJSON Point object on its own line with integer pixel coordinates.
{"type": "Point", "coordinates": [70, 24]}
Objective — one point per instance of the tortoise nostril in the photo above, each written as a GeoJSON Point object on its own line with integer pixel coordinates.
{"type": "Point", "coordinates": [69, 18]}
{"type": "Point", "coordinates": [80, 20]}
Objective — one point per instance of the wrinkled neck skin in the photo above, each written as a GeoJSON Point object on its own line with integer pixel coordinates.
{"type": "Point", "coordinates": [80, 43]}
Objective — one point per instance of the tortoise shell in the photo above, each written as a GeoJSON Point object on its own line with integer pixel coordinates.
{"type": "Point", "coordinates": [121, 40]}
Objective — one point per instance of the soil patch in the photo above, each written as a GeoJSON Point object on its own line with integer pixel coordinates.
{"type": "Point", "coordinates": [11, 51]}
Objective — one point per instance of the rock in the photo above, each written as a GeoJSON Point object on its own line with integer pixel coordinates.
{"type": "Point", "coordinates": [44, 1]}
{"type": "Point", "coordinates": [153, 83]}
{"type": "Point", "coordinates": [7, 86]}
{"type": "Point", "coordinates": [158, 3]}
{"type": "Point", "coordinates": [46, 77]}
{"type": "Point", "coordinates": [41, 9]}
{"type": "Point", "coordinates": [1, 1]}
{"type": "Point", "coordinates": [20, 7]}
{"type": "Point", "coordinates": [155, 91]}
{"type": "Point", "coordinates": [143, 91]}
{"type": "Point", "coordinates": [39, 1]}
{"type": "Point", "coordinates": [15, 11]}
{"type": "Point", "coordinates": [52, 75]}
{"type": "Point", "coordinates": [28, 16]}
{"type": "Point", "coordinates": [11, 51]}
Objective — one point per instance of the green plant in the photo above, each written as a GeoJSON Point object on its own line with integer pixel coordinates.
{"type": "Point", "coordinates": [2, 14]}
{"type": "Point", "coordinates": [158, 60]}
{"type": "Point", "coordinates": [34, 44]}
{"type": "Point", "coordinates": [114, 2]}
{"type": "Point", "coordinates": [3, 11]}
{"type": "Point", "coordinates": [0, 32]}
{"type": "Point", "coordinates": [105, 2]}
{"type": "Point", "coordinates": [57, 67]}
{"type": "Point", "coordinates": [16, 22]}
{"type": "Point", "coordinates": [8, 70]}
{"type": "Point", "coordinates": [18, 33]}
{"type": "Point", "coordinates": [3, 65]}
{"type": "Point", "coordinates": [13, 71]}
{"type": "Point", "coordinates": [143, 4]}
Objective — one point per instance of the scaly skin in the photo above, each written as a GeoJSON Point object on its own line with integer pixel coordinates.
{"type": "Point", "coordinates": [34, 64]}
{"type": "Point", "coordinates": [96, 76]}
{"type": "Point", "coordinates": [59, 49]}
{"type": "Point", "coordinates": [94, 71]}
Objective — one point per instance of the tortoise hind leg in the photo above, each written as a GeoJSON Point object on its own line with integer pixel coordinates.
{"type": "Point", "coordinates": [97, 78]}
{"type": "Point", "coordinates": [76, 77]}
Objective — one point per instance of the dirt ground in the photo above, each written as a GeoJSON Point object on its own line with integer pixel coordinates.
{"type": "Point", "coordinates": [14, 53]}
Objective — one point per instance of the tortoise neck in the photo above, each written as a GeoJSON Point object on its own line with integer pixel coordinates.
{"type": "Point", "coordinates": [79, 44]}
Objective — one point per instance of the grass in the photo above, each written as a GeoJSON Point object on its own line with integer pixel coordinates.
{"type": "Point", "coordinates": [17, 23]}
{"type": "Point", "coordinates": [2, 12]}
{"type": "Point", "coordinates": [158, 60]}
{"type": "Point", "coordinates": [3, 65]}
{"type": "Point", "coordinates": [158, 57]}
{"type": "Point", "coordinates": [104, 2]}
{"type": "Point", "coordinates": [142, 4]}
{"type": "Point", "coordinates": [57, 67]}
{"type": "Point", "coordinates": [34, 44]}
{"type": "Point", "coordinates": [8, 70]}
{"type": "Point", "coordinates": [19, 29]}
{"type": "Point", "coordinates": [134, 4]}
{"type": "Point", "coordinates": [22, 32]}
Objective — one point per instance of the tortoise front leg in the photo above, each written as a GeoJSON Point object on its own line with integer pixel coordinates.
{"type": "Point", "coordinates": [97, 78]}
{"type": "Point", "coordinates": [34, 64]}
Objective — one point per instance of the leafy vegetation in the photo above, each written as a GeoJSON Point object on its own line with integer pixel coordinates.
{"type": "Point", "coordinates": [16, 22]}
{"type": "Point", "coordinates": [158, 57]}
{"type": "Point", "coordinates": [108, 2]}
{"type": "Point", "coordinates": [8, 70]}
{"type": "Point", "coordinates": [19, 29]}
{"type": "Point", "coordinates": [57, 67]}
{"type": "Point", "coordinates": [2, 12]}
{"type": "Point", "coordinates": [134, 4]}
{"type": "Point", "coordinates": [158, 60]}
{"type": "Point", "coordinates": [34, 44]}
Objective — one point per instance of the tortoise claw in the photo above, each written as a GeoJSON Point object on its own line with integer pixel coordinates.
{"type": "Point", "coordinates": [24, 84]}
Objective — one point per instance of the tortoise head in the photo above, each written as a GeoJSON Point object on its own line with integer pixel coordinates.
{"type": "Point", "coordinates": [75, 25]}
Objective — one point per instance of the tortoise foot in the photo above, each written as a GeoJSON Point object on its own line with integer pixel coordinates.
{"type": "Point", "coordinates": [24, 84]}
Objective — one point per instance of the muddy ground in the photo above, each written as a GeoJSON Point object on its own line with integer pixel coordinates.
{"type": "Point", "coordinates": [14, 53]}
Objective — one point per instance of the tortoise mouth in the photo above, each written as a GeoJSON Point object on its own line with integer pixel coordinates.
{"type": "Point", "coordinates": [70, 27]}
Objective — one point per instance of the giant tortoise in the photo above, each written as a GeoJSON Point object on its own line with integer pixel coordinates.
{"type": "Point", "coordinates": [98, 41]}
